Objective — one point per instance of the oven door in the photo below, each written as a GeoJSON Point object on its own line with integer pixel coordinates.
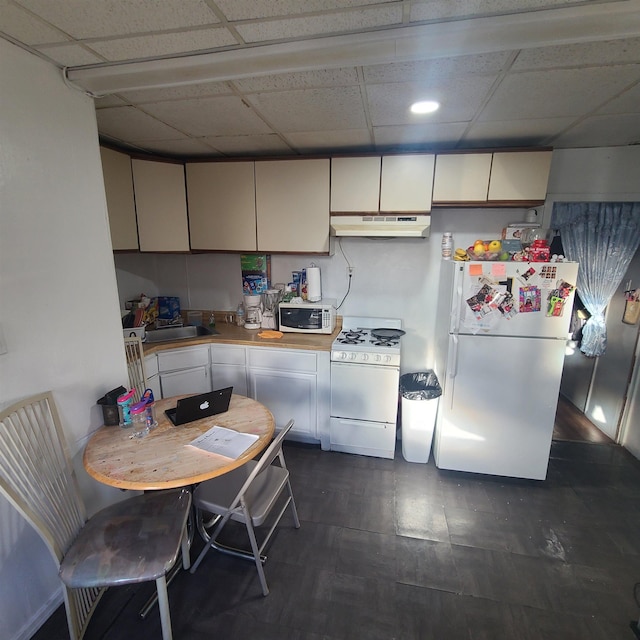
{"type": "Point", "coordinates": [364, 392]}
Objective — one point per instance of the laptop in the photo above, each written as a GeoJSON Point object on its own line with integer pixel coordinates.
{"type": "Point", "coordinates": [200, 406]}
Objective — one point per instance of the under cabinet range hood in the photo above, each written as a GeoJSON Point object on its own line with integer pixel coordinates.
{"type": "Point", "coordinates": [398, 226]}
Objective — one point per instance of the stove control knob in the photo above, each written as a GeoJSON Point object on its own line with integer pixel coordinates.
{"type": "Point", "coordinates": [365, 357]}
{"type": "Point", "coordinates": [352, 356]}
{"type": "Point", "coordinates": [387, 358]}
{"type": "Point", "coordinates": [378, 358]}
{"type": "Point", "coordinates": [340, 355]}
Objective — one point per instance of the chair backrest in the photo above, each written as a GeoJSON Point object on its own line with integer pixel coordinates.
{"type": "Point", "coordinates": [273, 451]}
{"type": "Point", "coordinates": [36, 474]}
{"type": "Point", "coordinates": [135, 365]}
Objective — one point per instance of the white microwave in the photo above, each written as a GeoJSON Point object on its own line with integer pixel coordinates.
{"type": "Point", "coordinates": [308, 317]}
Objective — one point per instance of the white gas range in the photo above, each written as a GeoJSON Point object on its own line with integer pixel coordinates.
{"type": "Point", "coordinates": [365, 374]}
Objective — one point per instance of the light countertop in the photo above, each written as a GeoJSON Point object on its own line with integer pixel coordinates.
{"type": "Point", "coordinates": [232, 334]}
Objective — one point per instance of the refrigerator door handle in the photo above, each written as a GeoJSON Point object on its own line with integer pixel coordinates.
{"type": "Point", "coordinates": [456, 311]}
{"type": "Point", "coordinates": [452, 365]}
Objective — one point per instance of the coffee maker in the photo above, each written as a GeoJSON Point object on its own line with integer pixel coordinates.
{"type": "Point", "coordinates": [252, 312]}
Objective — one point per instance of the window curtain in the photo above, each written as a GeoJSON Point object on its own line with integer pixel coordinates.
{"type": "Point", "coordinates": [603, 238]}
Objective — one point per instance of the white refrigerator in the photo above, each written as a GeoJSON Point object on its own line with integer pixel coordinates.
{"type": "Point", "coordinates": [501, 337]}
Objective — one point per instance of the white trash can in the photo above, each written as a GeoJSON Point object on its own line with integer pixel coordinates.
{"type": "Point", "coordinates": [420, 396]}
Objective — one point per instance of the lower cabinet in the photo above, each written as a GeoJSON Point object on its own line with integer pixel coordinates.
{"type": "Point", "coordinates": [153, 377]}
{"type": "Point", "coordinates": [292, 384]}
{"type": "Point", "coordinates": [184, 371]}
{"type": "Point", "coordinates": [229, 368]}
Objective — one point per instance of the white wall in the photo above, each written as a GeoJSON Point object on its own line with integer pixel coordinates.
{"type": "Point", "coordinates": [393, 278]}
{"type": "Point", "coordinates": [58, 295]}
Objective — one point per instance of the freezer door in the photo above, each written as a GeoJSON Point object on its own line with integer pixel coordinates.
{"type": "Point", "coordinates": [498, 406]}
{"type": "Point", "coordinates": [532, 286]}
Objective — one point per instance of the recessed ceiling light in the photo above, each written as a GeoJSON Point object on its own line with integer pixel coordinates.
{"type": "Point", "coordinates": [426, 106]}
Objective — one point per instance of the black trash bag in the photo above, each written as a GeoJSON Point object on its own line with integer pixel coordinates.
{"type": "Point", "coordinates": [421, 385]}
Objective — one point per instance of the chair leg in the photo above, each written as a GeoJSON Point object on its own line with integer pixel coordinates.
{"type": "Point", "coordinates": [294, 510]}
{"type": "Point", "coordinates": [163, 606]}
{"type": "Point", "coordinates": [256, 555]}
{"type": "Point", "coordinates": [186, 557]}
{"type": "Point", "coordinates": [210, 543]}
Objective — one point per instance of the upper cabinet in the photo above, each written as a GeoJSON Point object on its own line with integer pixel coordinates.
{"type": "Point", "coordinates": [382, 184]}
{"type": "Point", "coordinates": [355, 184]}
{"type": "Point", "coordinates": [161, 205]}
{"type": "Point", "coordinates": [222, 206]}
{"type": "Point", "coordinates": [118, 186]}
{"type": "Point", "coordinates": [462, 177]}
{"type": "Point", "coordinates": [292, 205]}
{"type": "Point", "coordinates": [502, 178]}
{"type": "Point", "coordinates": [406, 183]}
{"type": "Point", "coordinates": [521, 175]}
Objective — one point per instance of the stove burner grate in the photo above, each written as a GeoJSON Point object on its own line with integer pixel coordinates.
{"type": "Point", "coordinates": [381, 342]}
{"type": "Point", "coordinates": [350, 340]}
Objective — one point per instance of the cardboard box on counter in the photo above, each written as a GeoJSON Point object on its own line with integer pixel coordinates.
{"type": "Point", "coordinates": [256, 273]}
{"type": "Point", "coordinates": [168, 307]}
{"type": "Point", "coordinates": [514, 231]}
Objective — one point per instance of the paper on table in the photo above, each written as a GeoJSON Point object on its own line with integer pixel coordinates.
{"type": "Point", "coordinates": [224, 442]}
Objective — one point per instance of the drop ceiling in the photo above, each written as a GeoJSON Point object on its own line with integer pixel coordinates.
{"type": "Point", "coordinates": [216, 78]}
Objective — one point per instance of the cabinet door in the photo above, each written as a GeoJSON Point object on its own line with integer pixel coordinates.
{"type": "Point", "coordinates": [406, 183]}
{"type": "Point", "coordinates": [292, 205]}
{"type": "Point", "coordinates": [228, 368]}
{"type": "Point", "coordinates": [222, 205]}
{"type": "Point", "coordinates": [287, 395]}
{"type": "Point", "coordinates": [155, 386]}
{"type": "Point", "coordinates": [161, 206]}
{"type": "Point", "coordinates": [355, 184]}
{"type": "Point", "coordinates": [519, 175]}
{"type": "Point", "coordinates": [185, 381]}
{"type": "Point", "coordinates": [121, 206]}
{"type": "Point", "coordinates": [462, 177]}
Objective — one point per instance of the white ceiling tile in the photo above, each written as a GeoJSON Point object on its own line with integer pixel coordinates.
{"type": "Point", "coordinates": [109, 101]}
{"type": "Point", "coordinates": [205, 89]}
{"type": "Point", "coordinates": [70, 55]}
{"type": "Point", "coordinates": [441, 9]}
{"type": "Point", "coordinates": [181, 147]}
{"type": "Point", "coordinates": [128, 123]}
{"type": "Point", "coordinates": [17, 23]}
{"type": "Point", "coordinates": [250, 9]}
{"type": "Point", "coordinates": [163, 44]}
{"type": "Point", "coordinates": [602, 131]}
{"type": "Point", "coordinates": [441, 135]}
{"type": "Point", "coordinates": [581, 54]}
{"type": "Point", "coordinates": [627, 102]}
{"type": "Point", "coordinates": [85, 19]}
{"type": "Point", "coordinates": [459, 99]}
{"type": "Point", "coordinates": [311, 109]}
{"type": "Point", "coordinates": [319, 141]}
{"type": "Point", "coordinates": [556, 93]}
{"type": "Point", "coordinates": [520, 133]}
{"type": "Point", "coordinates": [226, 115]}
{"type": "Point", "coordinates": [437, 69]}
{"type": "Point", "coordinates": [268, 144]}
{"type": "Point", "coordinates": [347, 21]}
{"type": "Point", "coordinates": [299, 80]}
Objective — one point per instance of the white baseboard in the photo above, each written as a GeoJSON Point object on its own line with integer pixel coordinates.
{"type": "Point", "coordinates": [40, 616]}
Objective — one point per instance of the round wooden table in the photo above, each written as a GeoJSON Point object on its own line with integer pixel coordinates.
{"type": "Point", "coordinates": [163, 459]}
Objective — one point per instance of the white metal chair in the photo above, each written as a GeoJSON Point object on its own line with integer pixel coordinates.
{"type": "Point", "coordinates": [248, 494]}
{"type": "Point", "coordinates": [136, 540]}
{"type": "Point", "coordinates": [135, 366]}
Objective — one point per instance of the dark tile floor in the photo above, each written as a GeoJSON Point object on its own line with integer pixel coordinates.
{"type": "Point", "coordinates": [393, 550]}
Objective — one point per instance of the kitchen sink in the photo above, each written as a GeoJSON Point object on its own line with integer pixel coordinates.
{"type": "Point", "coordinates": [178, 333]}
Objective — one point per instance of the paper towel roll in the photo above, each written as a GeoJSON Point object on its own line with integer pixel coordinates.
{"type": "Point", "coordinates": [314, 288]}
